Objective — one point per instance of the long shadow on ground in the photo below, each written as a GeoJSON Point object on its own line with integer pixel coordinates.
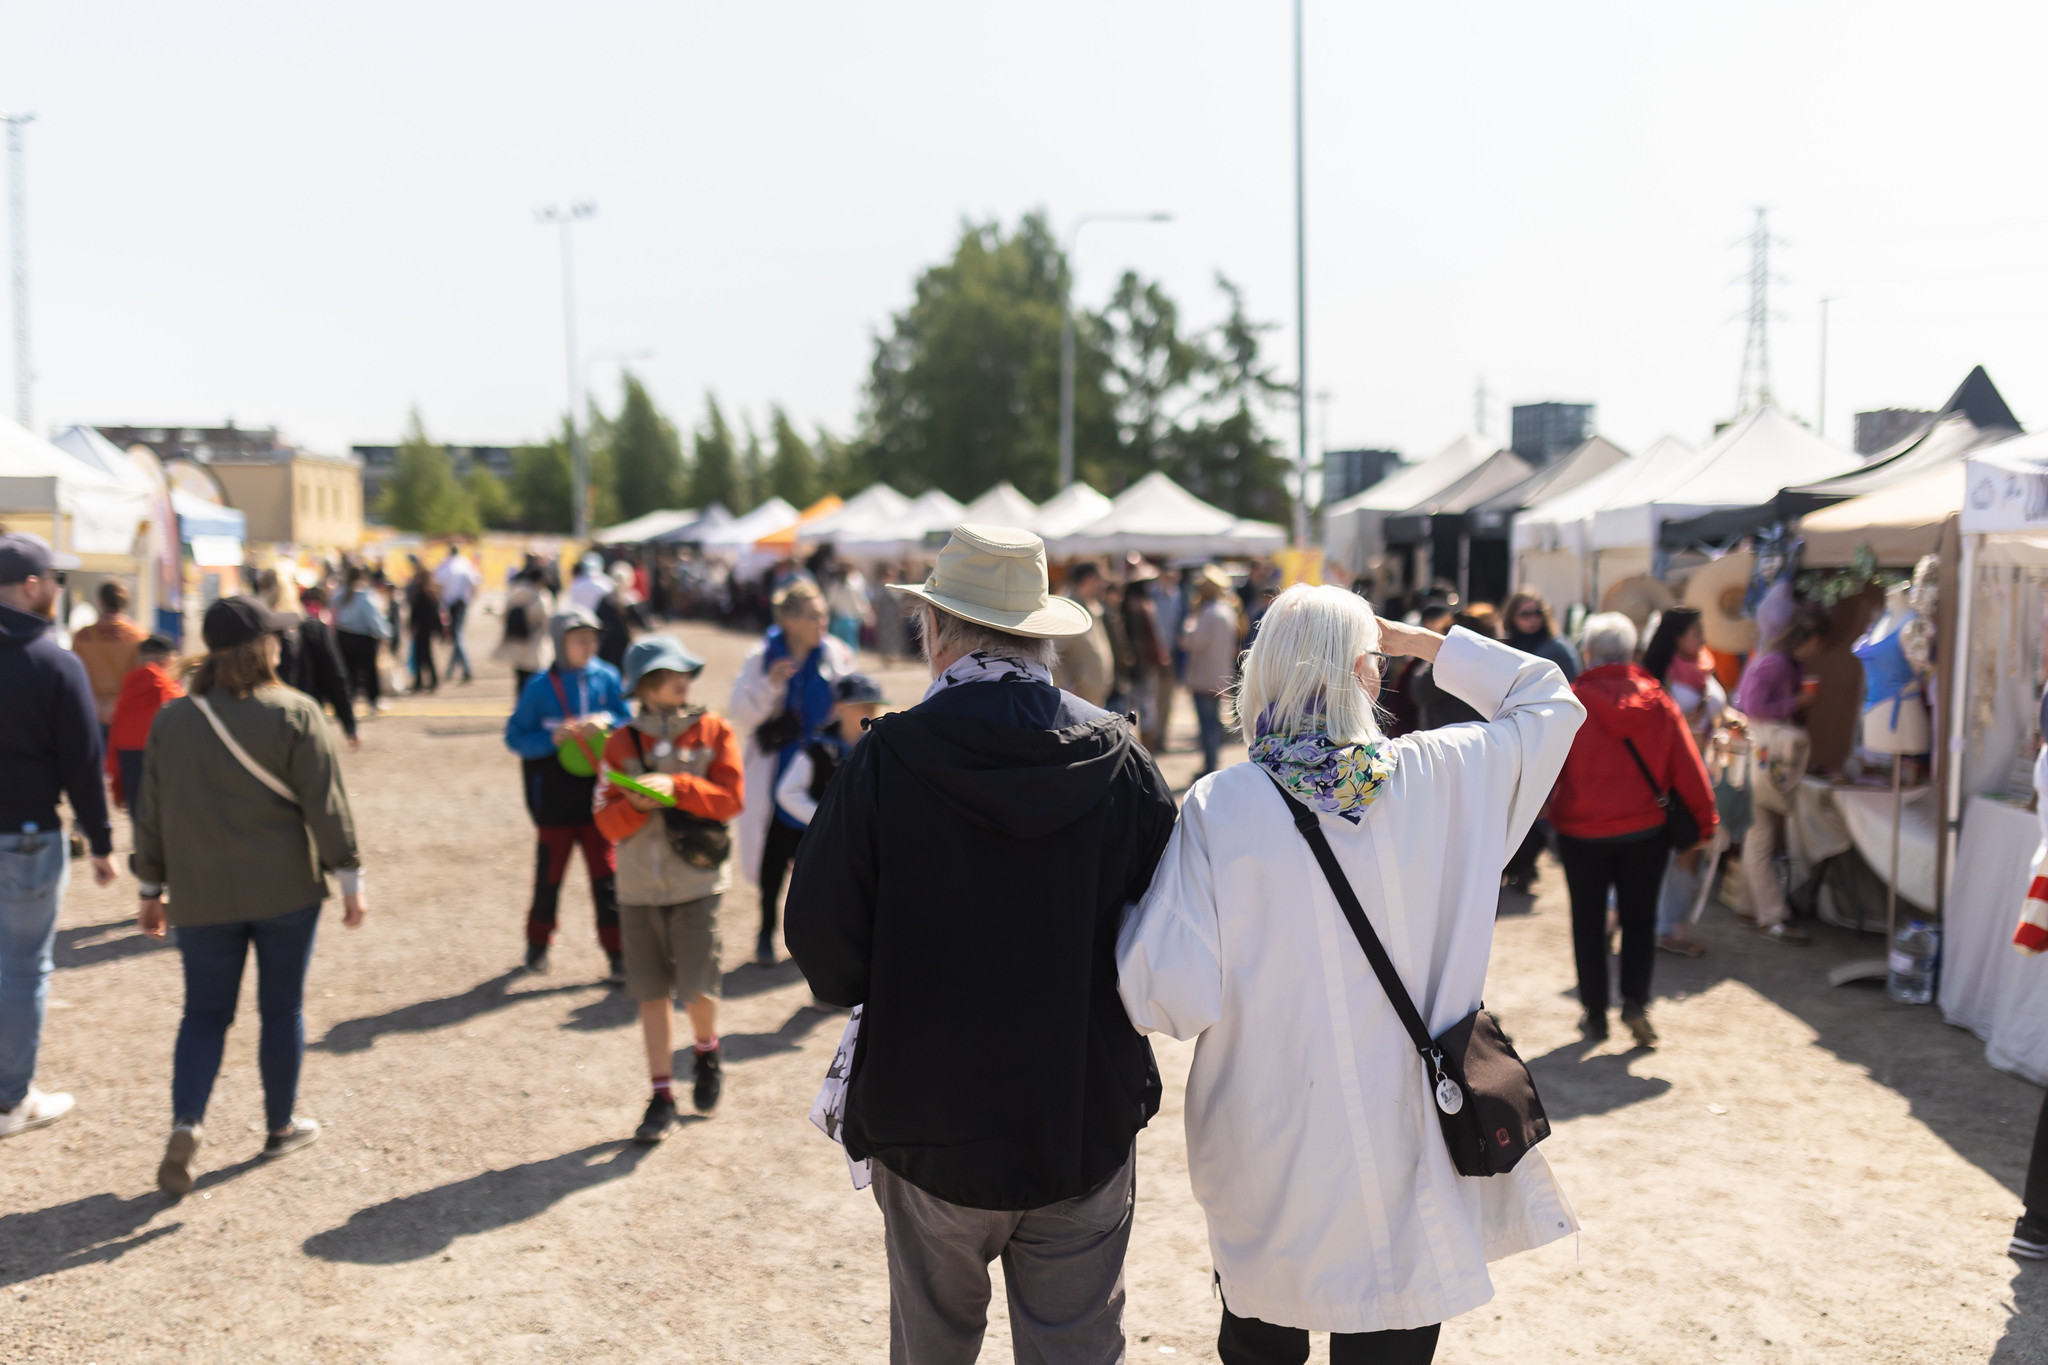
{"type": "Point", "coordinates": [1573, 1084]}
{"type": "Point", "coordinates": [89, 1231]}
{"type": "Point", "coordinates": [2023, 1342]}
{"type": "Point", "coordinates": [745, 1047]}
{"type": "Point", "coordinates": [424, 1224]}
{"type": "Point", "coordinates": [76, 946]}
{"type": "Point", "coordinates": [355, 1035]}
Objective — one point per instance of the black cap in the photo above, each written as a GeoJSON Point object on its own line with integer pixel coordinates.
{"type": "Point", "coordinates": [23, 556]}
{"type": "Point", "coordinates": [858, 689]}
{"type": "Point", "coordinates": [158, 644]}
{"type": "Point", "coordinates": [238, 620]}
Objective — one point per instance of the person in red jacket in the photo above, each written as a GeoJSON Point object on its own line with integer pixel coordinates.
{"type": "Point", "coordinates": [144, 691]}
{"type": "Point", "coordinates": [1610, 825]}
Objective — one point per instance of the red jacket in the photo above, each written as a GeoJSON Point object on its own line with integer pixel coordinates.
{"type": "Point", "coordinates": [143, 693]}
{"type": "Point", "coordinates": [1601, 793]}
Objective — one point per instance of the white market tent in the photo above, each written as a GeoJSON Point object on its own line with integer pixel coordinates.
{"type": "Point", "coordinates": [1068, 510]}
{"type": "Point", "coordinates": [1003, 505]}
{"type": "Point", "coordinates": [903, 534]}
{"type": "Point", "coordinates": [1550, 543]}
{"type": "Point", "coordinates": [1156, 516]}
{"type": "Point", "coordinates": [864, 512]}
{"type": "Point", "coordinates": [94, 512]}
{"type": "Point", "coordinates": [741, 532]}
{"type": "Point", "coordinates": [1354, 527]}
{"type": "Point", "coordinates": [647, 526]}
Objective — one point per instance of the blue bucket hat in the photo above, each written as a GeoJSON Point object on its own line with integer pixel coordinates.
{"type": "Point", "coordinates": [653, 653]}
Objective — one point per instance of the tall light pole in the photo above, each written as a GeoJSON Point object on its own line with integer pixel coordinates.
{"type": "Point", "coordinates": [1067, 329]}
{"type": "Point", "coordinates": [579, 465]}
{"type": "Point", "coordinates": [17, 235]}
{"type": "Point", "coordinates": [1300, 294]}
{"type": "Point", "coordinates": [1824, 365]}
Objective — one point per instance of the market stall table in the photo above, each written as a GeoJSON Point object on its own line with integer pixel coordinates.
{"type": "Point", "coordinates": [1987, 987]}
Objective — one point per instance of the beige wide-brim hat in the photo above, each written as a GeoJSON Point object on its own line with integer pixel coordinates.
{"type": "Point", "coordinates": [1717, 589]}
{"type": "Point", "coordinates": [995, 576]}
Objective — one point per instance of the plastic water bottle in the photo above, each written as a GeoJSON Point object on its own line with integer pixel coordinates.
{"type": "Point", "coordinates": [1910, 980]}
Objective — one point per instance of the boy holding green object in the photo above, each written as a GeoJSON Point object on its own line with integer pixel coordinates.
{"type": "Point", "coordinates": [682, 769]}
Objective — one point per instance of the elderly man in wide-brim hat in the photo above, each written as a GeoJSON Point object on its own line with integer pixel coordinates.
{"type": "Point", "coordinates": [963, 882]}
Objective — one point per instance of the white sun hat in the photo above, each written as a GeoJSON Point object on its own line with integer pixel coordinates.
{"type": "Point", "coordinates": [995, 576]}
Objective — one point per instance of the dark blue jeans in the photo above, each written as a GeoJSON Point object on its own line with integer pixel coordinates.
{"type": "Point", "coordinates": [1209, 721]}
{"type": "Point", "coordinates": [213, 955]}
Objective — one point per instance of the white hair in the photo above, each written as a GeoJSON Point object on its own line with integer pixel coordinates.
{"type": "Point", "coordinates": [1608, 638]}
{"type": "Point", "coordinates": [1298, 676]}
{"type": "Point", "coordinates": [946, 631]}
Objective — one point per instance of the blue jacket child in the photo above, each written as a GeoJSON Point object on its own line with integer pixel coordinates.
{"type": "Point", "coordinates": [579, 686]}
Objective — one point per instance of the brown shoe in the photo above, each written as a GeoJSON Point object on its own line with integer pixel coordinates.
{"type": "Point", "coordinates": [1784, 933]}
{"type": "Point", "coordinates": [1637, 1022]}
{"type": "Point", "coordinates": [174, 1175]}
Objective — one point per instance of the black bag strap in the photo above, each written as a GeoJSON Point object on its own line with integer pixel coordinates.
{"type": "Point", "coordinates": [1311, 829]}
{"type": "Point", "coordinates": [1663, 798]}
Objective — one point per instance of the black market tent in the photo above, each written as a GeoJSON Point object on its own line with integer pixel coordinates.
{"type": "Point", "coordinates": [1975, 415]}
{"type": "Point", "coordinates": [1429, 538]}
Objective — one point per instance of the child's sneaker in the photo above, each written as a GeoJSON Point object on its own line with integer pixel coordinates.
{"type": "Point", "coordinates": [655, 1123]}
{"type": "Point", "coordinates": [707, 1083]}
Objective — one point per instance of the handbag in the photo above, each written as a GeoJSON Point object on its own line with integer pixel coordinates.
{"type": "Point", "coordinates": [702, 843]}
{"type": "Point", "coordinates": [1681, 831]}
{"type": "Point", "coordinates": [1486, 1100]}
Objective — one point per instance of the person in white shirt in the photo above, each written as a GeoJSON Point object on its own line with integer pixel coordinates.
{"type": "Point", "coordinates": [591, 584]}
{"type": "Point", "coordinates": [457, 577]}
{"type": "Point", "coordinates": [1313, 1147]}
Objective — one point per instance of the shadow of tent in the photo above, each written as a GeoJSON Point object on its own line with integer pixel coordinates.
{"type": "Point", "coordinates": [74, 946]}
{"type": "Point", "coordinates": [1572, 1084]}
{"type": "Point", "coordinates": [355, 1035]}
{"type": "Point", "coordinates": [424, 1224]}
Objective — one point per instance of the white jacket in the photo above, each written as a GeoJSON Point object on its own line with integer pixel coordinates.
{"type": "Point", "coordinates": [755, 699]}
{"type": "Point", "coordinates": [1313, 1145]}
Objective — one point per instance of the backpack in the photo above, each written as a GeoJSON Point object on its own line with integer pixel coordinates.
{"type": "Point", "coordinates": [517, 627]}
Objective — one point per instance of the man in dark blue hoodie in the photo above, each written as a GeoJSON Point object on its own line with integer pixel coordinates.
{"type": "Point", "coordinates": [49, 744]}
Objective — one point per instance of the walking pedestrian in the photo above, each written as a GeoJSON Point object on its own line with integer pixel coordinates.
{"type": "Point", "coordinates": [456, 578]}
{"type": "Point", "coordinates": [50, 746]}
{"type": "Point", "coordinates": [241, 817]}
{"type": "Point", "coordinates": [423, 614]}
{"type": "Point", "coordinates": [1151, 656]}
{"type": "Point", "coordinates": [1332, 1200]}
{"type": "Point", "coordinates": [310, 660]}
{"type": "Point", "coordinates": [143, 693]}
{"type": "Point", "coordinates": [619, 614]}
{"type": "Point", "coordinates": [1210, 637]}
{"type": "Point", "coordinates": [558, 729]}
{"type": "Point", "coordinates": [1677, 658]}
{"type": "Point", "coordinates": [1772, 701]}
{"type": "Point", "coordinates": [962, 883]}
{"type": "Point", "coordinates": [360, 626]}
{"type": "Point", "coordinates": [1406, 682]}
{"type": "Point", "coordinates": [781, 700]}
{"type": "Point", "coordinates": [590, 585]}
{"type": "Point", "coordinates": [1632, 757]}
{"type": "Point", "coordinates": [108, 648]}
{"type": "Point", "coordinates": [525, 643]}
{"type": "Point", "coordinates": [1087, 665]}
{"type": "Point", "coordinates": [1532, 630]}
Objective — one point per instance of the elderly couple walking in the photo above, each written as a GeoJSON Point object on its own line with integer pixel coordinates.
{"type": "Point", "coordinates": [999, 879]}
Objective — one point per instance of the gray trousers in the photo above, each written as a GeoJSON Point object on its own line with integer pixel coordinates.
{"type": "Point", "coordinates": [1063, 1266]}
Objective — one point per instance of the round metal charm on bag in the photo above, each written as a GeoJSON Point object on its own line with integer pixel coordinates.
{"type": "Point", "coordinates": [1449, 1097]}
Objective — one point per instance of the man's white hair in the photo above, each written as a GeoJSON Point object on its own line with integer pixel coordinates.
{"type": "Point", "coordinates": [943, 631]}
{"type": "Point", "coordinates": [1608, 638]}
{"type": "Point", "coordinates": [1298, 677]}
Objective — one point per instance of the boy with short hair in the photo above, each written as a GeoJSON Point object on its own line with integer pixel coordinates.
{"type": "Point", "coordinates": [857, 699]}
{"type": "Point", "coordinates": [673, 866]}
{"type": "Point", "coordinates": [143, 693]}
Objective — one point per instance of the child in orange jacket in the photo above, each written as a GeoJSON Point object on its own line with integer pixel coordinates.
{"type": "Point", "coordinates": [673, 867]}
{"type": "Point", "coordinates": [144, 691]}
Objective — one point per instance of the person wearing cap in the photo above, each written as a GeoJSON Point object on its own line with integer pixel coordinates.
{"type": "Point", "coordinates": [1210, 637]}
{"type": "Point", "coordinates": [240, 817]}
{"type": "Point", "coordinates": [576, 702]}
{"type": "Point", "coordinates": [962, 883]}
{"type": "Point", "coordinates": [858, 700]}
{"type": "Point", "coordinates": [673, 870]}
{"type": "Point", "coordinates": [50, 746]}
{"type": "Point", "coordinates": [781, 701]}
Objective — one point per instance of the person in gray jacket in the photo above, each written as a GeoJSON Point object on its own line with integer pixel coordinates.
{"type": "Point", "coordinates": [242, 816]}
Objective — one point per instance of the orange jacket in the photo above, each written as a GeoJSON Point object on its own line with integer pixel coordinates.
{"type": "Point", "coordinates": [143, 693]}
{"type": "Point", "coordinates": [717, 795]}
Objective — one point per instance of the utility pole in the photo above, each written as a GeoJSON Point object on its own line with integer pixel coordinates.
{"type": "Point", "coordinates": [17, 233]}
{"type": "Point", "coordinates": [1300, 293]}
{"type": "Point", "coordinates": [579, 464]}
{"type": "Point", "coordinates": [1824, 365]}
{"type": "Point", "coordinates": [1479, 404]}
{"type": "Point", "coordinates": [1067, 328]}
{"type": "Point", "coordinates": [1754, 388]}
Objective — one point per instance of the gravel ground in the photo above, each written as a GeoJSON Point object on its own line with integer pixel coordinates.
{"type": "Point", "coordinates": [1799, 1174]}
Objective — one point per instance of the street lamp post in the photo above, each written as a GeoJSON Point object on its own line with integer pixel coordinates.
{"type": "Point", "coordinates": [579, 465]}
{"type": "Point", "coordinates": [17, 231]}
{"type": "Point", "coordinates": [1300, 296]}
{"type": "Point", "coordinates": [1067, 329]}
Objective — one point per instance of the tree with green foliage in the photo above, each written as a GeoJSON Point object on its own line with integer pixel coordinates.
{"type": "Point", "coordinates": [753, 480]}
{"type": "Point", "coordinates": [834, 457]}
{"type": "Point", "coordinates": [540, 486]}
{"type": "Point", "coordinates": [493, 503]}
{"type": "Point", "coordinates": [423, 493]}
{"type": "Point", "coordinates": [714, 478]}
{"type": "Point", "coordinates": [792, 470]}
{"type": "Point", "coordinates": [646, 453]}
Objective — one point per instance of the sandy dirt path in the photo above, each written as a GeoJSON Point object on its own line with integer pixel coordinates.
{"type": "Point", "coordinates": [1799, 1174]}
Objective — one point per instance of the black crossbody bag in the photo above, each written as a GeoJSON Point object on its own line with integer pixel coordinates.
{"type": "Point", "coordinates": [1681, 831]}
{"type": "Point", "coordinates": [1485, 1098]}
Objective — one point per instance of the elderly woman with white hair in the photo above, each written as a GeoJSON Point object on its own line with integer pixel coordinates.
{"type": "Point", "coordinates": [1332, 1200]}
{"type": "Point", "coordinates": [1632, 763]}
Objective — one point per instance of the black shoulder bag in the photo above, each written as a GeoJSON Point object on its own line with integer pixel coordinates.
{"type": "Point", "coordinates": [703, 844]}
{"type": "Point", "coordinates": [1681, 831]}
{"type": "Point", "coordinates": [1485, 1097]}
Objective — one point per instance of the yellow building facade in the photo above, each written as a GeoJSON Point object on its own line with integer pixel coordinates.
{"type": "Point", "coordinates": [297, 498]}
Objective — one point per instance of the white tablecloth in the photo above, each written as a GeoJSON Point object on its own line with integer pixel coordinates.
{"type": "Point", "coordinates": [1868, 813]}
{"type": "Point", "coordinates": [1986, 987]}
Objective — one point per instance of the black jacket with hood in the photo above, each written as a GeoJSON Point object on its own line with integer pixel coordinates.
{"type": "Point", "coordinates": [964, 880]}
{"type": "Point", "coordinates": [49, 734]}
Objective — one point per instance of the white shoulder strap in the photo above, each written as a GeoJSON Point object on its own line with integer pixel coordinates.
{"type": "Point", "coordinates": [256, 770]}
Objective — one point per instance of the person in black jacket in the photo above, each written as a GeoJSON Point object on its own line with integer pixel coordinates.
{"type": "Point", "coordinates": [963, 883]}
{"type": "Point", "coordinates": [310, 661]}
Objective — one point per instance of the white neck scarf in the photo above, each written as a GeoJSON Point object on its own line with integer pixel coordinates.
{"type": "Point", "coordinates": [980, 667]}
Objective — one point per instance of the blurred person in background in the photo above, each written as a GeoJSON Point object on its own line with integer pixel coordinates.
{"type": "Point", "coordinates": [360, 627]}
{"type": "Point", "coordinates": [1771, 697]}
{"type": "Point", "coordinates": [1610, 819]}
{"type": "Point", "coordinates": [150, 684]}
{"type": "Point", "coordinates": [310, 660]}
{"type": "Point", "coordinates": [619, 614]}
{"type": "Point", "coordinates": [1401, 690]}
{"type": "Point", "coordinates": [524, 646]}
{"type": "Point", "coordinates": [1532, 630]}
{"type": "Point", "coordinates": [457, 579]}
{"type": "Point", "coordinates": [241, 817]}
{"type": "Point", "coordinates": [423, 614]}
{"type": "Point", "coordinates": [892, 629]}
{"type": "Point", "coordinates": [1677, 658]}
{"type": "Point", "coordinates": [590, 586]}
{"type": "Point", "coordinates": [1087, 665]}
{"type": "Point", "coordinates": [1151, 656]}
{"type": "Point", "coordinates": [846, 601]}
{"type": "Point", "coordinates": [50, 746]}
{"type": "Point", "coordinates": [108, 648]}
{"type": "Point", "coordinates": [1211, 637]}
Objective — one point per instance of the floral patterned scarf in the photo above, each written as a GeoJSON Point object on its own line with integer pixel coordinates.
{"type": "Point", "coordinates": [1337, 779]}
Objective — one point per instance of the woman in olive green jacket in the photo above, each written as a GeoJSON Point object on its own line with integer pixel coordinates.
{"type": "Point", "coordinates": [244, 814]}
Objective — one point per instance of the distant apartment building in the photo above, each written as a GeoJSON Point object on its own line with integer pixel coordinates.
{"type": "Point", "coordinates": [1353, 471]}
{"type": "Point", "coordinates": [378, 462]}
{"type": "Point", "coordinates": [1540, 432]}
{"type": "Point", "coordinates": [290, 496]}
{"type": "Point", "coordinates": [1884, 427]}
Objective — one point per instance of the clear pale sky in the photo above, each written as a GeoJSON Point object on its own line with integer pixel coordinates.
{"type": "Point", "coordinates": [320, 215]}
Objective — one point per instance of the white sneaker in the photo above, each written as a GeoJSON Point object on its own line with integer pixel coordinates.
{"type": "Point", "coordinates": [35, 1110]}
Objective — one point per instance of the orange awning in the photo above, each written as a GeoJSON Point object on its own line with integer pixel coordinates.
{"type": "Point", "coordinates": [784, 541]}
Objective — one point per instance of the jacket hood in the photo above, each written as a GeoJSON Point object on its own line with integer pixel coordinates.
{"type": "Point", "coordinates": [1019, 782]}
{"type": "Point", "coordinates": [1622, 697]}
{"type": "Point", "coordinates": [18, 628]}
